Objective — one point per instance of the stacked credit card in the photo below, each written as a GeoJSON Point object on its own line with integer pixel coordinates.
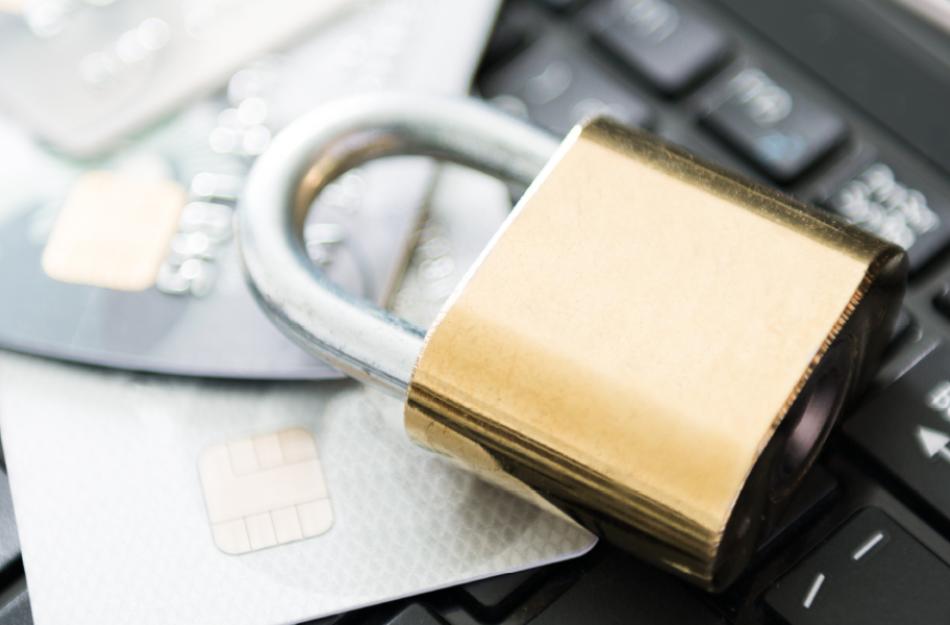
{"type": "Point", "coordinates": [128, 130]}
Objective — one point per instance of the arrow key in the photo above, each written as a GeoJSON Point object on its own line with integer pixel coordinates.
{"type": "Point", "coordinates": [872, 572]}
{"type": "Point", "coordinates": [933, 443]}
{"type": "Point", "coordinates": [906, 429]}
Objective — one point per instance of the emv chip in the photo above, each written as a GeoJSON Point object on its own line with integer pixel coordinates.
{"type": "Point", "coordinates": [264, 491]}
{"type": "Point", "coordinates": [113, 231]}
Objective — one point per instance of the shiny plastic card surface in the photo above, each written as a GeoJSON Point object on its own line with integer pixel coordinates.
{"type": "Point", "coordinates": [114, 527]}
{"type": "Point", "coordinates": [83, 74]}
{"type": "Point", "coordinates": [196, 316]}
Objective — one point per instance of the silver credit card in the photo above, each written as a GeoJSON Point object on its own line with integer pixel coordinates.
{"type": "Point", "coordinates": [82, 73]}
{"type": "Point", "coordinates": [82, 275]}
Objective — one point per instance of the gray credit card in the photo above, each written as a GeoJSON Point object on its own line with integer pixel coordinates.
{"type": "Point", "coordinates": [82, 73]}
{"type": "Point", "coordinates": [129, 261]}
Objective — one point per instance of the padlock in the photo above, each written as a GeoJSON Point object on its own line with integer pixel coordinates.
{"type": "Point", "coordinates": [650, 345]}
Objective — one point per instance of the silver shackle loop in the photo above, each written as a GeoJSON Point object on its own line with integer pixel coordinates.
{"type": "Point", "coordinates": [359, 339]}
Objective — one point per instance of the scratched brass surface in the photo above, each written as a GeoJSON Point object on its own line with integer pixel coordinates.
{"type": "Point", "coordinates": [630, 343]}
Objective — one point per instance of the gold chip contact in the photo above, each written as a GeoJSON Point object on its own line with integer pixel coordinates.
{"type": "Point", "coordinates": [113, 231]}
{"type": "Point", "coordinates": [14, 7]}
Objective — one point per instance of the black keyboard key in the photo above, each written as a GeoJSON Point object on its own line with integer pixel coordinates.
{"type": "Point", "coordinates": [900, 209]}
{"type": "Point", "coordinates": [870, 572]}
{"type": "Point", "coordinates": [780, 132]}
{"type": "Point", "coordinates": [9, 541]}
{"type": "Point", "coordinates": [327, 620]}
{"type": "Point", "coordinates": [415, 614]}
{"type": "Point", "coordinates": [557, 86]}
{"type": "Point", "coordinates": [16, 610]}
{"type": "Point", "coordinates": [620, 590]}
{"type": "Point", "coordinates": [906, 428]}
{"type": "Point", "coordinates": [894, 69]}
{"type": "Point", "coordinates": [518, 25]}
{"type": "Point", "coordinates": [563, 5]}
{"type": "Point", "coordinates": [902, 325]}
{"type": "Point", "coordinates": [905, 331]}
{"type": "Point", "coordinates": [496, 595]}
{"type": "Point", "coordinates": [942, 302]}
{"type": "Point", "coordinates": [664, 42]}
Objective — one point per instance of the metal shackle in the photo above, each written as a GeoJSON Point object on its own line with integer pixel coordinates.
{"type": "Point", "coordinates": [363, 341]}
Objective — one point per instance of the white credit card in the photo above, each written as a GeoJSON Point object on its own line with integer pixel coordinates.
{"type": "Point", "coordinates": [115, 529]}
{"type": "Point", "coordinates": [84, 74]}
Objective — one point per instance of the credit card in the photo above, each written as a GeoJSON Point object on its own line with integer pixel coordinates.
{"type": "Point", "coordinates": [119, 521]}
{"type": "Point", "coordinates": [84, 73]}
{"type": "Point", "coordinates": [81, 278]}
{"type": "Point", "coordinates": [148, 500]}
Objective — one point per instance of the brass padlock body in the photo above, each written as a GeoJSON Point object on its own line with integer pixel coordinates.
{"type": "Point", "coordinates": [655, 347]}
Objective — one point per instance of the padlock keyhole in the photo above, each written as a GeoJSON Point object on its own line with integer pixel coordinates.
{"type": "Point", "coordinates": [786, 458]}
{"type": "Point", "coordinates": [810, 420]}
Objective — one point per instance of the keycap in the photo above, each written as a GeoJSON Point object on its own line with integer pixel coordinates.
{"type": "Point", "coordinates": [416, 614]}
{"type": "Point", "coordinates": [667, 44]}
{"type": "Point", "coordinates": [902, 325]}
{"type": "Point", "coordinates": [887, 64]}
{"type": "Point", "coordinates": [557, 86]}
{"type": "Point", "coordinates": [904, 209]}
{"type": "Point", "coordinates": [329, 620]}
{"type": "Point", "coordinates": [906, 428]}
{"type": "Point", "coordinates": [623, 591]}
{"type": "Point", "coordinates": [494, 595]}
{"type": "Point", "coordinates": [942, 302]}
{"type": "Point", "coordinates": [906, 331]}
{"type": "Point", "coordinates": [562, 5]}
{"type": "Point", "coordinates": [782, 132]}
{"type": "Point", "coordinates": [871, 572]}
{"type": "Point", "coordinates": [16, 610]}
{"type": "Point", "coordinates": [9, 541]}
{"type": "Point", "coordinates": [518, 24]}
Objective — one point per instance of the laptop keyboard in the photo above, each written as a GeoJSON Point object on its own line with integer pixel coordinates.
{"type": "Point", "coordinates": [741, 83]}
